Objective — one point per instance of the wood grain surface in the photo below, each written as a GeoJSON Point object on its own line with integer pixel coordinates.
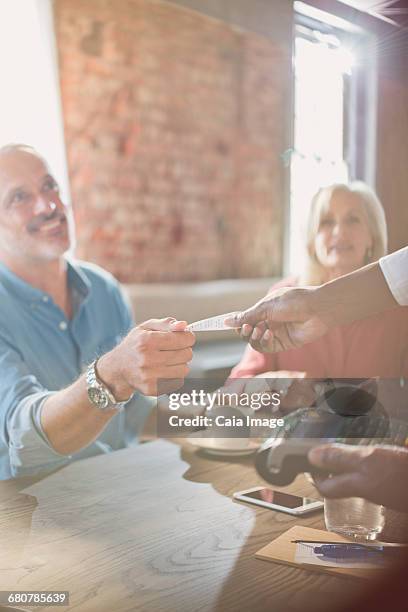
{"type": "Point", "coordinates": [154, 528]}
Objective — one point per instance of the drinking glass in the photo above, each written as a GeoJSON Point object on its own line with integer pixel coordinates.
{"type": "Point", "coordinates": [354, 517]}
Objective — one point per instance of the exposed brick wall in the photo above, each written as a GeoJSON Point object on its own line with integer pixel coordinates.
{"type": "Point", "coordinates": [174, 126]}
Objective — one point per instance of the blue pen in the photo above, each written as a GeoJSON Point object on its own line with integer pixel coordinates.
{"type": "Point", "coordinates": [353, 551]}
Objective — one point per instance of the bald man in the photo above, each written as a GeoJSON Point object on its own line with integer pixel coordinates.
{"type": "Point", "coordinates": [73, 369]}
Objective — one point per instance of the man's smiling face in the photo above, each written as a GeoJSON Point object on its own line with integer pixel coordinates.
{"type": "Point", "coordinates": [34, 223]}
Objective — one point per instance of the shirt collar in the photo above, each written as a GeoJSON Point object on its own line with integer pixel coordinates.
{"type": "Point", "coordinates": [77, 280]}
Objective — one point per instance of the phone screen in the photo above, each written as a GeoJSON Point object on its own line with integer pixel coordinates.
{"type": "Point", "coordinates": [279, 498]}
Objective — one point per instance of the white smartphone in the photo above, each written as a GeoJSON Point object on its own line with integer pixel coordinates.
{"type": "Point", "coordinates": [277, 500]}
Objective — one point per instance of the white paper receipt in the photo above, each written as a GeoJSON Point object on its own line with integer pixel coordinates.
{"type": "Point", "coordinates": [211, 324]}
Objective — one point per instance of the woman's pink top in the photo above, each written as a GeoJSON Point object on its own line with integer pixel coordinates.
{"type": "Point", "coordinates": [376, 346]}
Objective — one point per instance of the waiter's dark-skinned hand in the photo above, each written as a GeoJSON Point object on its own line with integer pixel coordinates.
{"type": "Point", "coordinates": [376, 473]}
{"type": "Point", "coordinates": [283, 320]}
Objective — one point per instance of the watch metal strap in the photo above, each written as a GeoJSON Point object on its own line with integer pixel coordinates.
{"type": "Point", "coordinates": [93, 380]}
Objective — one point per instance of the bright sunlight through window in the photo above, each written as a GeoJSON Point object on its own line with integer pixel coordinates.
{"type": "Point", "coordinates": [317, 159]}
{"type": "Point", "coordinates": [30, 101]}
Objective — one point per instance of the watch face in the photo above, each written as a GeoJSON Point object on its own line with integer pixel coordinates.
{"type": "Point", "coordinates": [98, 397]}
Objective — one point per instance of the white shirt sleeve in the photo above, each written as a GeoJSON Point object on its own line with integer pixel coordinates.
{"type": "Point", "coordinates": [395, 270]}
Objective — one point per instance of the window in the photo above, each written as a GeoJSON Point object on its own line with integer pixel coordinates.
{"type": "Point", "coordinates": [330, 143]}
{"type": "Point", "coordinates": [30, 101]}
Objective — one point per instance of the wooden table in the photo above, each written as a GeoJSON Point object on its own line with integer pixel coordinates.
{"type": "Point", "coordinates": [154, 528]}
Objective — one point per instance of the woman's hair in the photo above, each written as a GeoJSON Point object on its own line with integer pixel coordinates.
{"type": "Point", "coordinates": [314, 273]}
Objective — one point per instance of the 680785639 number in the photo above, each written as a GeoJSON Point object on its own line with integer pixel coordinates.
{"type": "Point", "coordinates": [35, 598]}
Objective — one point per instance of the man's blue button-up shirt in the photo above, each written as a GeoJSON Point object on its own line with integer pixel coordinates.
{"type": "Point", "coordinates": [41, 352]}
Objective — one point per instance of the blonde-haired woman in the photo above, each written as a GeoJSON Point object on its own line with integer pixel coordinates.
{"type": "Point", "coordinates": [346, 230]}
{"type": "Point", "coordinates": [351, 213]}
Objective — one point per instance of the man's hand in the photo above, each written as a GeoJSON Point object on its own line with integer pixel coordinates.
{"type": "Point", "coordinates": [157, 350]}
{"type": "Point", "coordinates": [285, 319]}
{"type": "Point", "coordinates": [376, 473]}
{"type": "Point", "coordinates": [291, 317]}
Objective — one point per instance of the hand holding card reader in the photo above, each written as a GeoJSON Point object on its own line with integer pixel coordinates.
{"type": "Point", "coordinates": [346, 411]}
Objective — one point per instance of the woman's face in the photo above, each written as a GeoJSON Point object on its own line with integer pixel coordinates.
{"type": "Point", "coordinates": [343, 236]}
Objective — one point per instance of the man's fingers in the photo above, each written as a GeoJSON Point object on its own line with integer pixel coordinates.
{"type": "Point", "coordinates": [251, 334]}
{"type": "Point", "coordinates": [337, 458]}
{"type": "Point", "coordinates": [258, 331]}
{"type": "Point", "coordinates": [246, 331]}
{"type": "Point", "coordinates": [341, 485]}
{"type": "Point", "coordinates": [173, 357]}
{"type": "Point", "coordinates": [166, 340]}
{"type": "Point", "coordinates": [167, 324]}
{"type": "Point", "coordinates": [252, 316]}
{"type": "Point", "coordinates": [268, 341]}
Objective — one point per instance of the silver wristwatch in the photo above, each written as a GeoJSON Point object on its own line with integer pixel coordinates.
{"type": "Point", "coordinates": [98, 393]}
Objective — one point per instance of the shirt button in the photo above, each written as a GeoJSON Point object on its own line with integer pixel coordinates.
{"type": "Point", "coordinates": [63, 326]}
{"type": "Point", "coordinates": [45, 298]}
